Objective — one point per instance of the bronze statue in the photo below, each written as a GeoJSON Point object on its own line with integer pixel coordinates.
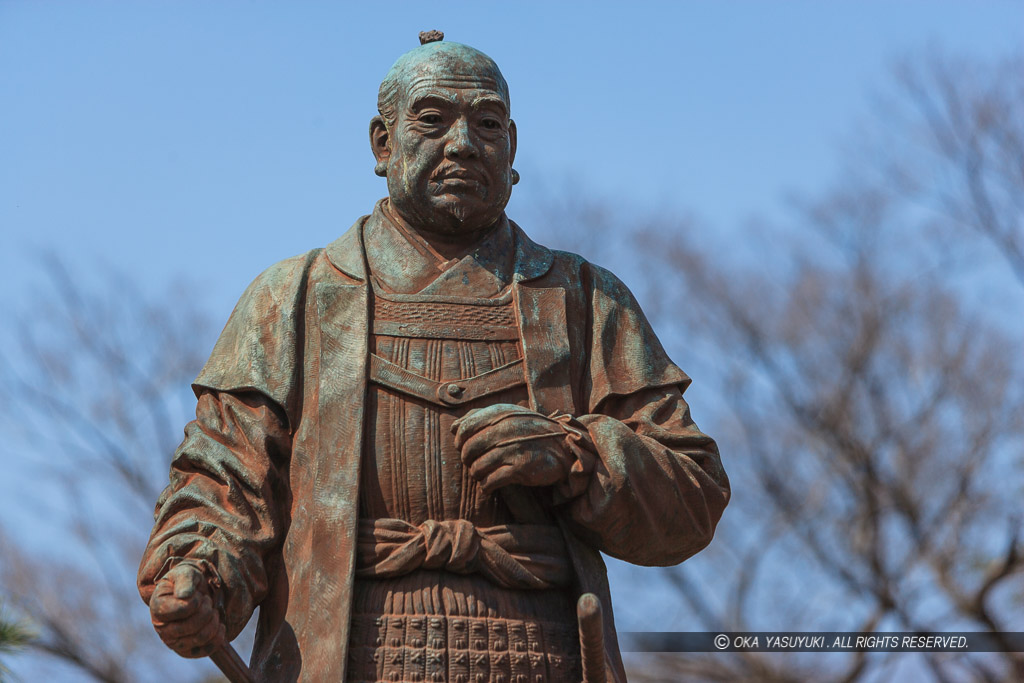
{"type": "Point", "coordinates": [411, 445]}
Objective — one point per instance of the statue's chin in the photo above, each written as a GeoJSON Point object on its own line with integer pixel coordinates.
{"type": "Point", "coordinates": [453, 216]}
{"type": "Point", "coordinates": [463, 211]}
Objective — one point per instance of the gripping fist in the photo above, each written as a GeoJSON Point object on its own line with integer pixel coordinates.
{"type": "Point", "coordinates": [506, 444]}
{"type": "Point", "coordinates": [183, 612]}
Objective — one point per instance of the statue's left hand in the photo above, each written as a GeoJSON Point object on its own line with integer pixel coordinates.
{"type": "Point", "coordinates": [505, 444]}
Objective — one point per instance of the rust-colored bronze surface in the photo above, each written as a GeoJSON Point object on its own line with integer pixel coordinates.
{"type": "Point", "coordinates": [411, 446]}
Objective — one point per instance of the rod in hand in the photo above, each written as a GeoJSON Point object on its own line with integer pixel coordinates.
{"type": "Point", "coordinates": [231, 664]}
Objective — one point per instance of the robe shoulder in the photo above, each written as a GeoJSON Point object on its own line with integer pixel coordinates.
{"type": "Point", "coordinates": [624, 354]}
{"type": "Point", "coordinates": [260, 347]}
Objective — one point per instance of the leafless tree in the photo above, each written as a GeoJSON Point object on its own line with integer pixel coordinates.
{"type": "Point", "coordinates": [95, 377]}
{"type": "Point", "coordinates": [875, 405]}
{"type": "Point", "coordinates": [963, 126]}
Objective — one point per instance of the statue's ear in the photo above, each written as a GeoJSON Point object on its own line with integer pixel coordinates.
{"type": "Point", "coordinates": [512, 138]}
{"type": "Point", "coordinates": [380, 143]}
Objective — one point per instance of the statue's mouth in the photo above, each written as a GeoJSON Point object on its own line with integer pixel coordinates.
{"type": "Point", "coordinates": [451, 172]}
{"type": "Point", "coordinates": [458, 173]}
{"type": "Point", "coordinates": [456, 180]}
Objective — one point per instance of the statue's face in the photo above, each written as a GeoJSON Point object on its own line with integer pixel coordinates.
{"type": "Point", "coordinates": [449, 152]}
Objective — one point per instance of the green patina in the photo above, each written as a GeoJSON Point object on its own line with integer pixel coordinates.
{"type": "Point", "coordinates": [443, 61]}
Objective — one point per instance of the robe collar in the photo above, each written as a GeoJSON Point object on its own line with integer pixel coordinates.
{"type": "Point", "coordinates": [348, 252]}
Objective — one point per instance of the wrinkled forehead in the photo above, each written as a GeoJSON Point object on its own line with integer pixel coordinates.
{"type": "Point", "coordinates": [443, 65]}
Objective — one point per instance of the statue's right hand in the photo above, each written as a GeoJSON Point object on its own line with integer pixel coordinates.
{"type": "Point", "coordinates": [183, 612]}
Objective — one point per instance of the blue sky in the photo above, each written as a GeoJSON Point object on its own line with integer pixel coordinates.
{"type": "Point", "coordinates": [212, 139]}
{"type": "Point", "coordinates": [209, 140]}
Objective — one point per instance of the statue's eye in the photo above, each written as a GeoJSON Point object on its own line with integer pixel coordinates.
{"type": "Point", "coordinates": [491, 124]}
{"type": "Point", "coordinates": [431, 119]}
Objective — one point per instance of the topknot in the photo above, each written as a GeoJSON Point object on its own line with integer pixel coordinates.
{"type": "Point", "coordinates": [430, 36]}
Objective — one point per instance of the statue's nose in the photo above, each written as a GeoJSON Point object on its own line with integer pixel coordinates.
{"type": "Point", "coordinates": [460, 143]}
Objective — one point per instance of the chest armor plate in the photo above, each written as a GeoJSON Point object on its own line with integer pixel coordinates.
{"type": "Point", "coordinates": [434, 358]}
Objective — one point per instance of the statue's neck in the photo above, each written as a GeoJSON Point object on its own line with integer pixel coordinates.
{"type": "Point", "coordinates": [445, 246]}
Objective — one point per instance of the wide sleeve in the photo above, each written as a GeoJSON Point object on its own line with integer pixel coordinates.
{"type": "Point", "coordinates": [655, 488]}
{"type": "Point", "coordinates": [224, 509]}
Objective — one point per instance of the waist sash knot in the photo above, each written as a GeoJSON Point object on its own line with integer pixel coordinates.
{"type": "Point", "coordinates": [523, 556]}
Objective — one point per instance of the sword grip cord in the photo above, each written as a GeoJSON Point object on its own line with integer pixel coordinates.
{"type": "Point", "coordinates": [588, 611]}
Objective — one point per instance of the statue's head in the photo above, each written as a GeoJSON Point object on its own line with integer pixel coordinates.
{"type": "Point", "coordinates": [444, 138]}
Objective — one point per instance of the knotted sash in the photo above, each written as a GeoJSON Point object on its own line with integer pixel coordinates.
{"type": "Point", "coordinates": [521, 556]}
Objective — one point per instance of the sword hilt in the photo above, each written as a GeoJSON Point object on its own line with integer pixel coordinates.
{"type": "Point", "coordinates": [588, 611]}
